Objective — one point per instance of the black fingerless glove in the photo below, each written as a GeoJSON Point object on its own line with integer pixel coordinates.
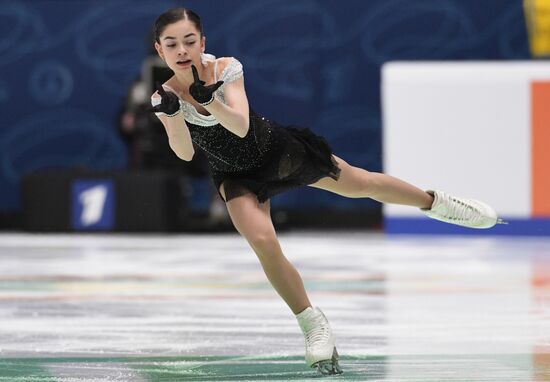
{"type": "Point", "coordinates": [200, 93]}
{"type": "Point", "coordinates": [169, 102]}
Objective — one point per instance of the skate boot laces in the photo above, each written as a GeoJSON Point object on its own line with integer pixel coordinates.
{"type": "Point", "coordinates": [319, 333]}
{"type": "Point", "coordinates": [459, 211]}
{"type": "Point", "coordinates": [321, 350]}
{"type": "Point", "coordinates": [465, 212]}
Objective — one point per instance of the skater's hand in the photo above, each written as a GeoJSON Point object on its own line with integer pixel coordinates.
{"type": "Point", "coordinates": [169, 102]}
{"type": "Point", "coordinates": [200, 93]}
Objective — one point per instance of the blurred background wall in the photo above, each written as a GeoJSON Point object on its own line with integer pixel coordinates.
{"type": "Point", "coordinates": [67, 67]}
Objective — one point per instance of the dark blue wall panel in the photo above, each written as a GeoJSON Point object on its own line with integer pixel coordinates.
{"type": "Point", "coordinates": [66, 65]}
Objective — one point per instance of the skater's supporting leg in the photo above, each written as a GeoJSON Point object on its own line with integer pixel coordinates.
{"type": "Point", "coordinates": [355, 182]}
{"type": "Point", "coordinates": [253, 221]}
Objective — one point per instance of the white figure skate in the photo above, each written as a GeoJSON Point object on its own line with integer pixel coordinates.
{"type": "Point", "coordinates": [460, 211]}
{"type": "Point", "coordinates": [321, 351]}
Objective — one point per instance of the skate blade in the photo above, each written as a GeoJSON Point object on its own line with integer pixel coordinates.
{"type": "Point", "coordinates": [329, 366]}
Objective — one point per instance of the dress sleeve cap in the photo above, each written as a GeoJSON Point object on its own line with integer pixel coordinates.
{"type": "Point", "coordinates": [233, 71]}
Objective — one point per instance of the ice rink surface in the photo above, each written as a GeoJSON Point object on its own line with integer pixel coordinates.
{"type": "Point", "coordinates": [199, 308]}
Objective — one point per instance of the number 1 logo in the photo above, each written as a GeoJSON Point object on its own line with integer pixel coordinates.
{"type": "Point", "coordinates": [93, 205]}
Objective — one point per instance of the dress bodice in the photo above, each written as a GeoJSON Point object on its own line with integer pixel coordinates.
{"type": "Point", "coordinates": [225, 150]}
{"type": "Point", "coordinates": [268, 160]}
{"type": "Point", "coordinates": [232, 72]}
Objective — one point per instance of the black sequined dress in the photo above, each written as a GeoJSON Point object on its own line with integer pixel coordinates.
{"type": "Point", "coordinates": [269, 160]}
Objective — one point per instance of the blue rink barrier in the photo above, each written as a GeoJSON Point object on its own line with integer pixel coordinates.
{"type": "Point", "coordinates": [424, 225]}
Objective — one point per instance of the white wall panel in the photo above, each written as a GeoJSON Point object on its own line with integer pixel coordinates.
{"type": "Point", "coordinates": [461, 127]}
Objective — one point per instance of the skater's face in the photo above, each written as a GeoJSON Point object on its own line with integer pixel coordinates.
{"type": "Point", "coordinates": [181, 45]}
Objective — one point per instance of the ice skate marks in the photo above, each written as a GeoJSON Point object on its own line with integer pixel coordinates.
{"type": "Point", "coordinates": [178, 368]}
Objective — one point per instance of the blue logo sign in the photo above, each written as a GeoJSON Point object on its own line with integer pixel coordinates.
{"type": "Point", "coordinates": [93, 205]}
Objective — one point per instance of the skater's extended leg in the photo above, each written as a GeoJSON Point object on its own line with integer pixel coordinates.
{"type": "Point", "coordinates": [355, 182]}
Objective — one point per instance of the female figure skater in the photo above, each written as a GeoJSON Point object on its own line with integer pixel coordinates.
{"type": "Point", "coordinates": [252, 159]}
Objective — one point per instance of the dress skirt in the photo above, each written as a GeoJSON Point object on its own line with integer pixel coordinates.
{"type": "Point", "coordinates": [296, 157]}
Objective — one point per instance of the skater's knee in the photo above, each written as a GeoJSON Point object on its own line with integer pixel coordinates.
{"type": "Point", "coordinates": [262, 241]}
{"type": "Point", "coordinates": [360, 184]}
{"type": "Point", "coordinates": [370, 184]}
